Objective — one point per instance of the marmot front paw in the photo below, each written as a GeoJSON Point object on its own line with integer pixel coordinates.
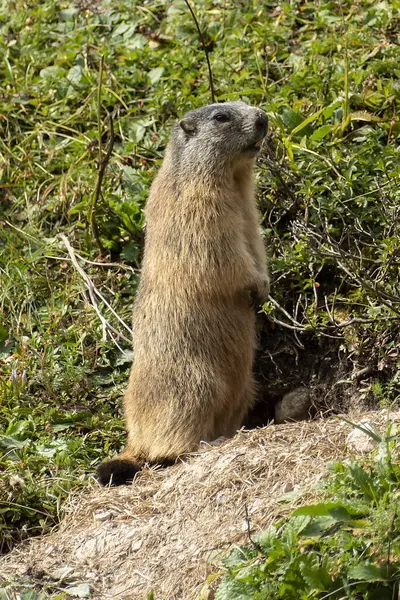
{"type": "Point", "coordinates": [259, 293]}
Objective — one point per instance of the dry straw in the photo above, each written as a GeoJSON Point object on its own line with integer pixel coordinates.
{"type": "Point", "coordinates": [168, 531]}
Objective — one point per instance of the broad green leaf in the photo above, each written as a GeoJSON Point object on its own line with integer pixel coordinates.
{"type": "Point", "coordinates": [139, 131]}
{"type": "Point", "coordinates": [363, 115]}
{"type": "Point", "coordinates": [336, 510]}
{"type": "Point", "coordinates": [68, 14]}
{"type": "Point", "coordinates": [9, 442]}
{"type": "Point", "coordinates": [291, 118]}
{"type": "Point", "coordinates": [136, 41]}
{"type": "Point", "coordinates": [319, 526]}
{"type": "Point", "coordinates": [231, 589]}
{"type": "Point", "coordinates": [52, 72]}
{"type": "Point", "coordinates": [78, 207]}
{"type": "Point", "coordinates": [320, 133]}
{"type": "Point", "coordinates": [365, 482]}
{"type": "Point", "coordinates": [155, 74]}
{"type": "Point", "coordinates": [52, 448]}
{"type": "Point", "coordinates": [126, 30]}
{"type": "Point", "coordinates": [368, 573]}
{"type": "Point", "coordinates": [130, 252]}
{"type": "Point", "coordinates": [130, 175]}
{"type": "Point", "coordinates": [307, 121]}
{"type": "Point", "coordinates": [329, 110]}
{"type": "Point", "coordinates": [340, 513]}
{"type": "Point", "coordinates": [75, 75]}
{"type": "Point", "coordinates": [3, 333]}
{"type": "Point", "coordinates": [20, 427]}
{"type": "Point", "coordinates": [318, 579]}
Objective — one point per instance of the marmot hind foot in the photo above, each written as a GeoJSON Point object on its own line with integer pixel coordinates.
{"type": "Point", "coordinates": [117, 471]}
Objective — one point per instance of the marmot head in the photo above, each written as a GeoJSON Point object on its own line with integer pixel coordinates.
{"type": "Point", "coordinates": [218, 136]}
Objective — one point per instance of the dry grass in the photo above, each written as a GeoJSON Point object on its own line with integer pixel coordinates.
{"type": "Point", "coordinates": [161, 533]}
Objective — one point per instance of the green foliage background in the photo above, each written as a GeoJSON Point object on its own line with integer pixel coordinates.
{"type": "Point", "coordinates": [327, 74]}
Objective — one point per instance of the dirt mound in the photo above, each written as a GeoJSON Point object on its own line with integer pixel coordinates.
{"type": "Point", "coordinates": [162, 532]}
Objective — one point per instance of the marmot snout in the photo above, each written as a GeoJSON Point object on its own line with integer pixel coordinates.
{"type": "Point", "coordinates": [193, 325]}
{"type": "Point", "coordinates": [261, 128]}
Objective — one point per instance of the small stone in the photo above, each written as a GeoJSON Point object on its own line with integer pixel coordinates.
{"type": "Point", "coordinates": [294, 406]}
{"type": "Point", "coordinates": [256, 505]}
{"type": "Point", "coordinates": [136, 545]}
{"type": "Point", "coordinates": [16, 481]}
{"type": "Point", "coordinates": [287, 488]}
{"type": "Point", "coordinates": [221, 498]}
{"type": "Point", "coordinates": [359, 440]}
{"type": "Point", "coordinates": [206, 593]}
{"type": "Point", "coordinates": [104, 515]}
{"type": "Point", "coordinates": [81, 590]}
{"type": "Point", "coordinates": [214, 444]}
{"type": "Point", "coordinates": [62, 574]}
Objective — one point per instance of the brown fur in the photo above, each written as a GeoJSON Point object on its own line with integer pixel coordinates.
{"type": "Point", "coordinates": [193, 326]}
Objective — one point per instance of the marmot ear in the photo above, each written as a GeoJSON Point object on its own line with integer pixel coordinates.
{"type": "Point", "coordinates": [188, 125]}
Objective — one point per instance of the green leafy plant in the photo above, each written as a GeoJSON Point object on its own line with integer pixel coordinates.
{"type": "Point", "coordinates": [346, 545]}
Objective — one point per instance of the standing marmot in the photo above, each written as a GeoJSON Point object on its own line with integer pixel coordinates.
{"type": "Point", "coordinates": [193, 325]}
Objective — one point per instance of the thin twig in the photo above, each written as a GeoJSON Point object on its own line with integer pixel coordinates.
{"type": "Point", "coordinates": [210, 75]}
{"type": "Point", "coordinates": [326, 160]}
{"type": "Point", "coordinates": [48, 256]}
{"type": "Point", "coordinates": [390, 535]}
{"type": "Point", "coordinates": [96, 194]}
{"type": "Point", "coordinates": [256, 545]}
{"type": "Point", "coordinates": [346, 70]}
{"type": "Point", "coordinates": [20, 231]}
{"type": "Point", "coordinates": [99, 86]}
{"type": "Point", "coordinates": [93, 291]}
{"type": "Point", "coordinates": [93, 262]}
{"type": "Point", "coordinates": [283, 324]}
{"type": "Point", "coordinates": [298, 325]}
{"type": "Point", "coordinates": [364, 320]}
{"type": "Point", "coordinates": [107, 327]}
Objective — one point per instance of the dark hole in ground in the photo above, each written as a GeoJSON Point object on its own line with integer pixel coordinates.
{"type": "Point", "coordinates": [285, 362]}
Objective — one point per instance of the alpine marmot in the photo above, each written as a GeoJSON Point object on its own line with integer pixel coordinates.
{"type": "Point", "coordinates": [193, 321]}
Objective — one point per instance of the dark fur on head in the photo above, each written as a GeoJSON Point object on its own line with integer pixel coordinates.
{"type": "Point", "coordinates": [117, 471]}
{"type": "Point", "coordinates": [209, 139]}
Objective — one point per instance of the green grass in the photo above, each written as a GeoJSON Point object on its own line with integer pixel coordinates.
{"type": "Point", "coordinates": [346, 545]}
{"type": "Point", "coordinates": [327, 74]}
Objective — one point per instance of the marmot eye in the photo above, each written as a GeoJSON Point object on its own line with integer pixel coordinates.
{"type": "Point", "coordinates": [221, 118]}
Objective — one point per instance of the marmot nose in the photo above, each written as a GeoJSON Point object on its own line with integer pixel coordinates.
{"type": "Point", "coordinates": [261, 124]}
